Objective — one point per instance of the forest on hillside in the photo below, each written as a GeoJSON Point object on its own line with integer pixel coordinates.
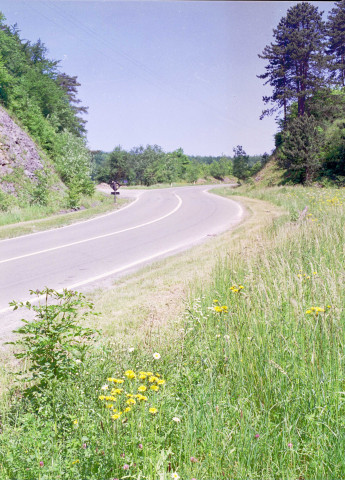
{"type": "Point", "coordinates": [151, 165]}
{"type": "Point", "coordinates": [43, 100]}
{"type": "Point", "coordinates": [306, 70]}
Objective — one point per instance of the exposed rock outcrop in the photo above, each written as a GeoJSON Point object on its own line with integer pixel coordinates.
{"type": "Point", "coordinates": [17, 150]}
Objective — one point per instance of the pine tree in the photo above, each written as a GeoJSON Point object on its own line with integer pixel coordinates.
{"type": "Point", "coordinates": [240, 167]}
{"type": "Point", "coordinates": [70, 86]}
{"type": "Point", "coordinates": [302, 147]}
{"type": "Point", "coordinates": [277, 71]}
{"type": "Point", "coordinates": [336, 47]}
{"type": "Point", "coordinates": [297, 60]}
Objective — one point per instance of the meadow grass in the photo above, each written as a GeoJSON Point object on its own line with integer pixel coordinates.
{"type": "Point", "coordinates": [249, 380]}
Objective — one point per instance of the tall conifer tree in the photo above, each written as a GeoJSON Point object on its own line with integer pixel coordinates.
{"type": "Point", "coordinates": [336, 47]}
{"type": "Point", "coordinates": [297, 61]}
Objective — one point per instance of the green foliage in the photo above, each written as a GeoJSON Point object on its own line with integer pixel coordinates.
{"type": "Point", "coordinates": [252, 375]}
{"type": "Point", "coordinates": [241, 168]}
{"type": "Point", "coordinates": [302, 148]}
{"type": "Point", "coordinates": [306, 60]}
{"type": "Point", "coordinates": [5, 201]}
{"type": "Point", "coordinates": [44, 101]}
{"type": "Point", "coordinates": [40, 193]}
{"type": "Point", "coordinates": [54, 341]}
{"type": "Point", "coordinates": [221, 168]}
{"type": "Point", "coordinates": [73, 163]}
{"type": "Point", "coordinates": [296, 60]}
{"type": "Point", "coordinates": [152, 165]}
{"type": "Point", "coordinates": [336, 44]}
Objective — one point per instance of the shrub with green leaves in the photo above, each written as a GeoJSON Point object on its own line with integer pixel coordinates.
{"type": "Point", "coordinates": [54, 342]}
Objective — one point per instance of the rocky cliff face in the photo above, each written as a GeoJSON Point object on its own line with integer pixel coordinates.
{"type": "Point", "coordinates": [17, 151]}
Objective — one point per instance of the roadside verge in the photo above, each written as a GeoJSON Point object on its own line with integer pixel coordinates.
{"type": "Point", "coordinates": [151, 301]}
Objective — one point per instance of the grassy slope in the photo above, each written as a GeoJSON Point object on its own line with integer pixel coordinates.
{"type": "Point", "coordinates": [257, 387]}
{"type": "Point", "coordinates": [32, 219]}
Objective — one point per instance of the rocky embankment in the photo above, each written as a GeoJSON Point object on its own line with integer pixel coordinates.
{"type": "Point", "coordinates": [17, 151]}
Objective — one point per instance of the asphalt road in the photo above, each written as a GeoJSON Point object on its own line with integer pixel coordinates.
{"type": "Point", "coordinates": [156, 224]}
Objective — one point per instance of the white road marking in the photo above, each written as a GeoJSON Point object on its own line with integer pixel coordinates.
{"type": "Point", "coordinates": [97, 237]}
{"type": "Point", "coordinates": [103, 275]}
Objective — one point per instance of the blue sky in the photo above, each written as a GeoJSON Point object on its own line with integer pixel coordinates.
{"type": "Point", "coordinates": [171, 73]}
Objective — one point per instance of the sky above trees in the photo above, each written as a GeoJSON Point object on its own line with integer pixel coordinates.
{"type": "Point", "coordinates": [176, 74]}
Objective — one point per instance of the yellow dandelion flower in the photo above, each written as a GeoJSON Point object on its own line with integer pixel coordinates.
{"type": "Point", "coordinates": [142, 398]}
{"type": "Point", "coordinates": [160, 381]}
{"type": "Point", "coordinates": [142, 388]}
{"type": "Point", "coordinates": [118, 380]}
{"type": "Point", "coordinates": [115, 416]}
{"type": "Point", "coordinates": [116, 391]}
{"type": "Point", "coordinates": [154, 388]}
{"type": "Point", "coordinates": [130, 374]}
{"type": "Point", "coordinates": [127, 409]}
{"type": "Point", "coordinates": [142, 376]}
{"type": "Point", "coordinates": [131, 401]}
{"type": "Point", "coordinates": [153, 410]}
{"type": "Point", "coordinates": [152, 379]}
{"type": "Point", "coordinates": [101, 397]}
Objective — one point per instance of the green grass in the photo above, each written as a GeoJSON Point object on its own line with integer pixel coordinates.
{"type": "Point", "coordinates": [21, 221]}
{"type": "Point", "coordinates": [258, 386]}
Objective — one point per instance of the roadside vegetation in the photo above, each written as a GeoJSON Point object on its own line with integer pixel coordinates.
{"type": "Point", "coordinates": [22, 221]}
{"type": "Point", "coordinates": [246, 383]}
{"type": "Point", "coordinates": [151, 165]}
{"type": "Point", "coordinates": [223, 362]}
{"type": "Point", "coordinates": [42, 100]}
{"type": "Point", "coordinates": [305, 68]}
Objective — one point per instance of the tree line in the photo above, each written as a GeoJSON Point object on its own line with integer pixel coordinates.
{"type": "Point", "coordinates": [44, 100]}
{"type": "Point", "coordinates": [306, 70]}
{"type": "Point", "coordinates": [151, 165]}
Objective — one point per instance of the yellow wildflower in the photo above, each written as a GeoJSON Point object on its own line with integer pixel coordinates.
{"type": "Point", "coordinates": [154, 388]}
{"type": "Point", "coordinates": [131, 401]}
{"type": "Point", "coordinates": [153, 410]}
{"type": "Point", "coordinates": [142, 388]}
{"type": "Point", "coordinates": [141, 397]}
{"type": "Point", "coordinates": [130, 374]}
{"type": "Point", "coordinates": [116, 391]}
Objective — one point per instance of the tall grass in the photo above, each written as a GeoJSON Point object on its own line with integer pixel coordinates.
{"type": "Point", "coordinates": [254, 375]}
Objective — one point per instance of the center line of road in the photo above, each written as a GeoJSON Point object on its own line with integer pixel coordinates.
{"type": "Point", "coordinates": [99, 236]}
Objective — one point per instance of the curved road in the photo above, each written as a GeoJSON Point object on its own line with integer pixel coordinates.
{"type": "Point", "coordinates": [158, 223]}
